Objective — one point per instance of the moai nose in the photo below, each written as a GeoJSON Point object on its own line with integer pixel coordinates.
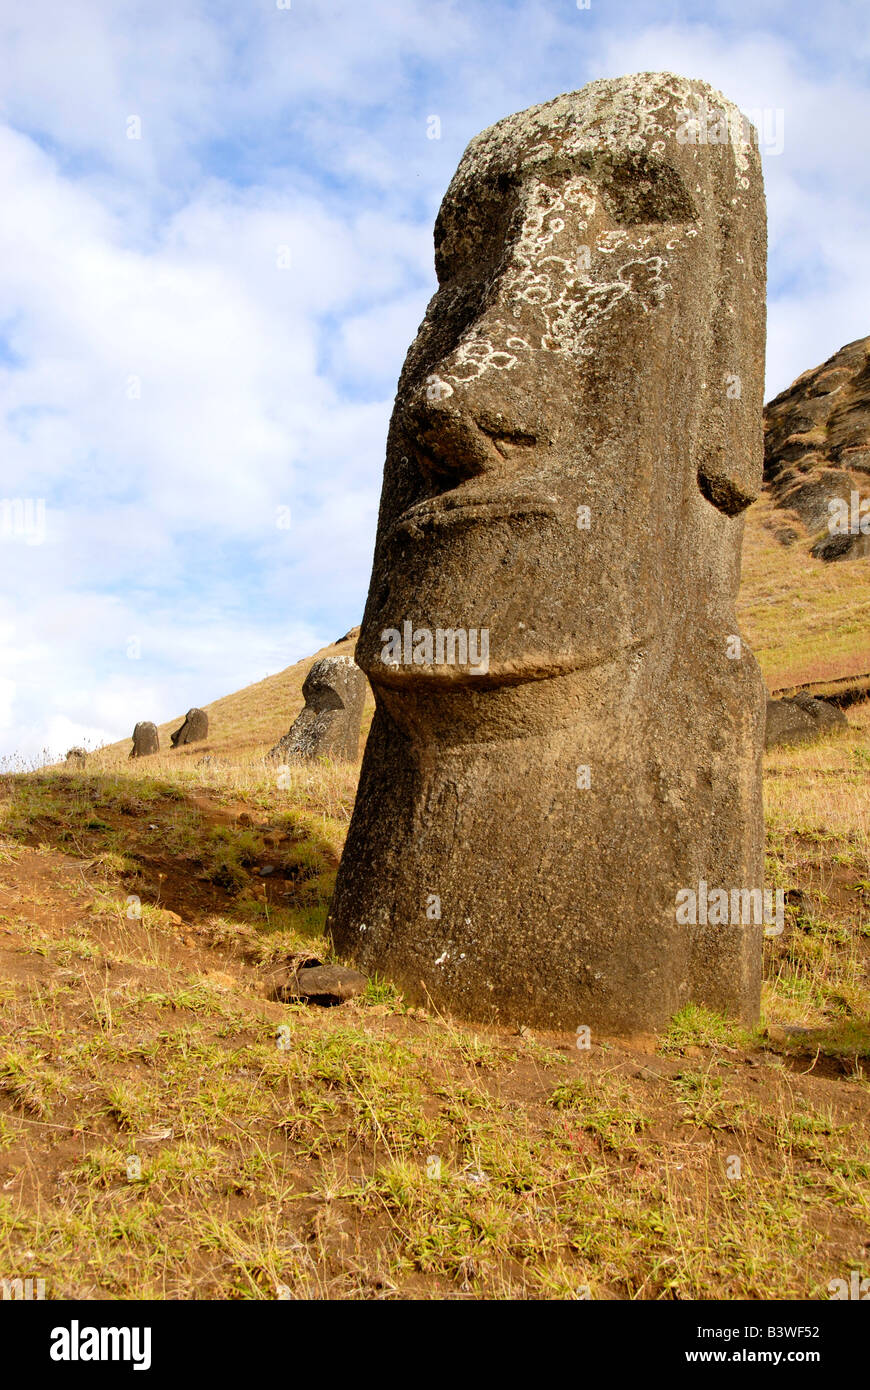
{"type": "Point", "coordinates": [458, 430]}
{"type": "Point", "coordinates": [446, 441]}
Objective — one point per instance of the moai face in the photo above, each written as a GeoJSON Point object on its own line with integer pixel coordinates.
{"type": "Point", "coordinates": [329, 725]}
{"type": "Point", "coordinates": [545, 451]}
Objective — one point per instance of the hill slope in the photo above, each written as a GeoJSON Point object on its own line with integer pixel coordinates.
{"type": "Point", "coordinates": [807, 622]}
{"type": "Point", "coordinates": [169, 1129]}
{"type": "Point", "coordinates": [805, 598]}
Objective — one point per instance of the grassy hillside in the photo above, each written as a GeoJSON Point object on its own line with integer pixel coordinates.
{"type": "Point", "coordinates": [168, 1129]}
{"type": "Point", "coordinates": [808, 622]}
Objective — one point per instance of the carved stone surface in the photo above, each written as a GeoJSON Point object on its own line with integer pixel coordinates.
{"type": "Point", "coordinates": [801, 720]}
{"type": "Point", "coordinates": [145, 740]}
{"type": "Point", "coordinates": [193, 730]}
{"type": "Point", "coordinates": [568, 732]}
{"type": "Point", "coordinates": [329, 725]}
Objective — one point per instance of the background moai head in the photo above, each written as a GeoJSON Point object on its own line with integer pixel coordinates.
{"type": "Point", "coordinates": [801, 720]}
{"type": "Point", "coordinates": [193, 730]}
{"type": "Point", "coordinates": [596, 341]}
{"type": "Point", "coordinates": [77, 756]}
{"type": "Point", "coordinates": [145, 740]}
{"type": "Point", "coordinates": [329, 725]}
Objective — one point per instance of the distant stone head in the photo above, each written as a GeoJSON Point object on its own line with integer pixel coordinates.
{"type": "Point", "coordinates": [329, 726]}
{"type": "Point", "coordinates": [146, 740]}
{"type": "Point", "coordinates": [193, 730]}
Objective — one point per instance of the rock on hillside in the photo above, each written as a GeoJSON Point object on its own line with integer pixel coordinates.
{"type": "Point", "coordinates": [817, 447]}
{"type": "Point", "coordinates": [250, 720]}
{"type": "Point", "coordinates": [801, 720]}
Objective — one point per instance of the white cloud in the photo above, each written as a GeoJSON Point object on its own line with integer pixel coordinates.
{"type": "Point", "coordinates": [7, 697]}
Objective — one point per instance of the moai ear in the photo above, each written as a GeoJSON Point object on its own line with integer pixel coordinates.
{"type": "Point", "coordinates": [731, 449]}
{"type": "Point", "coordinates": [730, 455]}
{"type": "Point", "coordinates": [731, 452]}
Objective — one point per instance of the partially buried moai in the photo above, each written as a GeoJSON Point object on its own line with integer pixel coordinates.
{"type": "Point", "coordinates": [145, 740]}
{"type": "Point", "coordinates": [193, 730]}
{"type": "Point", "coordinates": [568, 730]}
{"type": "Point", "coordinates": [329, 725]}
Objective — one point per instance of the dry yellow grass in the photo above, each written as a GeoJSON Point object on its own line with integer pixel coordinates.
{"type": "Point", "coordinates": [377, 1151]}
{"type": "Point", "coordinates": [823, 787]}
{"type": "Point", "coordinates": [807, 622]}
{"type": "Point", "coordinates": [169, 1131]}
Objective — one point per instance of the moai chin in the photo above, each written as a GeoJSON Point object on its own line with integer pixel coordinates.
{"type": "Point", "coordinates": [329, 725]}
{"type": "Point", "coordinates": [576, 433]}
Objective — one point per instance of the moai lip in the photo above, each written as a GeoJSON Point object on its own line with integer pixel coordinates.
{"type": "Point", "coordinates": [576, 433]}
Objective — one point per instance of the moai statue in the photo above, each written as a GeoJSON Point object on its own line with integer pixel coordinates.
{"type": "Point", "coordinates": [329, 725]}
{"type": "Point", "coordinates": [799, 720]}
{"type": "Point", "coordinates": [77, 756]}
{"type": "Point", "coordinates": [568, 730]}
{"type": "Point", "coordinates": [145, 740]}
{"type": "Point", "coordinates": [193, 730]}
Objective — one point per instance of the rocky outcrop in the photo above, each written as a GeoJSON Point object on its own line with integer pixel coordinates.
{"type": "Point", "coordinates": [817, 456]}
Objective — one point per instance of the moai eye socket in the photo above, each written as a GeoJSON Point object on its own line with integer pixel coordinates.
{"type": "Point", "coordinates": [639, 189]}
{"type": "Point", "coordinates": [470, 232]}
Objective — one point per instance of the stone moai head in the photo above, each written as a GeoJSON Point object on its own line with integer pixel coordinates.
{"type": "Point", "coordinates": [577, 429]}
{"type": "Point", "coordinates": [145, 740]}
{"type": "Point", "coordinates": [193, 730]}
{"type": "Point", "coordinates": [592, 362]}
{"type": "Point", "coordinates": [329, 725]}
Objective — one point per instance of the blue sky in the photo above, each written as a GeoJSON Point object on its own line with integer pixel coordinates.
{"type": "Point", "coordinates": [201, 328]}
